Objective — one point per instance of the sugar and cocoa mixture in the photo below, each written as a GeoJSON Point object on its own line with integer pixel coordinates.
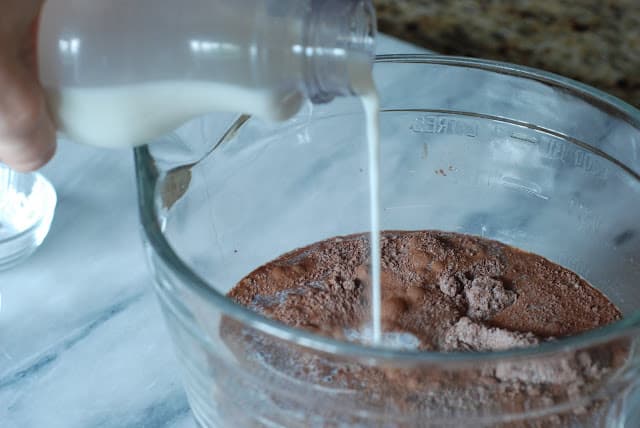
{"type": "Point", "coordinates": [451, 291]}
{"type": "Point", "coordinates": [441, 292]}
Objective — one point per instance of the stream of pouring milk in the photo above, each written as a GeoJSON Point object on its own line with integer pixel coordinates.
{"type": "Point", "coordinates": [371, 106]}
{"type": "Point", "coordinates": [365, 87]}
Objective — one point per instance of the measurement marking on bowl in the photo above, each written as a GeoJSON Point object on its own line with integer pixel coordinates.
{"type": "Point", "coordinates": [434, 124]}
{"type": "Point", "coordinates": [634, 263]}
{"type": "Point", "coordinates": [586, 218]}
{"type": "Point", "coordinates": [524, 137]}
{"type": "Point", "coordinates": [568, 154]}
{"type": "Point", "coordinates": [522, 185]}
{"type": "Point", "coordinates": [401, 207]}
{"type": "Point", "coordinates": [555, 148]}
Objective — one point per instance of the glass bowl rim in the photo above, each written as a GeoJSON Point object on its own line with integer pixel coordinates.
{"type": "Point", "coordinates": [37, 177]}
{"type": "Point", "coordinates": [147, 176]}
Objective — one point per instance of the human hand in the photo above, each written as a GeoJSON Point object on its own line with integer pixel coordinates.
{"type": "Point", "coordinates": [27, 133]}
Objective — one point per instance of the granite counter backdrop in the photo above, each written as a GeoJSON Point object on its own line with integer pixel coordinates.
{"type": "Point", "coordinates": [594, 41]}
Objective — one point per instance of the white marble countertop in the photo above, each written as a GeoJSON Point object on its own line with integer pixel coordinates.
{"type": "Point", "coordinates": [82, 340]}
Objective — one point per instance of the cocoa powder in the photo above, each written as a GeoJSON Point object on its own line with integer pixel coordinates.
{"type": "Point", "coordinates": [441, 292]}
{"type": "Point", "coordinates": [435, 285]}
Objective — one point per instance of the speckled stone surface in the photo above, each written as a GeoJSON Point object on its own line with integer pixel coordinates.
{"type": "Point", "coordinates": [593, 41]}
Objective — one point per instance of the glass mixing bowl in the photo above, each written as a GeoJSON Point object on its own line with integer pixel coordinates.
{"type": "Point", "coordinates": [496, 150]}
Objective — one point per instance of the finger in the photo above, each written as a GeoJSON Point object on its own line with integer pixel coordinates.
{"type": "Point", "coordinates": [27, 135]}
{"type": "Point", "coordinates": [29, 151]}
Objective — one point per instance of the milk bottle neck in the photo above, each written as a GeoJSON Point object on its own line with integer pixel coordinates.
{"type": "Point", "coordinates": [339, 41]}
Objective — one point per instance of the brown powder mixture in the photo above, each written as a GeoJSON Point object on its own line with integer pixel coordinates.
{"type": "Point", "coordinates": [452, 291]}
{"type": "Point", "coordinates": [445, 292]}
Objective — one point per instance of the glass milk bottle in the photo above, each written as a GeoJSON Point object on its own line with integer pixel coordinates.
{"type": "Point", "coordinates": [121, 72]}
